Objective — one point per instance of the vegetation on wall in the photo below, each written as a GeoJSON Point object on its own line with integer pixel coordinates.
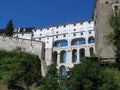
{"type": "Point", "coordinates": [19, 70]}
{"type": "Point", "coordinates": [114, 37]}
{"type": "Point", "coordinates": [22, 71]}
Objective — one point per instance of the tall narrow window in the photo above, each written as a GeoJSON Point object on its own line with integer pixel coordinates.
{"type": "Point", "coordinates": [116, 8]}
{"type": "Point", "coordinates": [91, 51]}
{"type": "Point", "coordinates": [74, 55]}
{"type": "Point", "coordinates": [63, 57]}
{"type": "Point", "coordinates": [62, 71]}
{"type": "Point", "coordinates": [54, 57]}
{"type": "Point", "coordinates": [82, 53]}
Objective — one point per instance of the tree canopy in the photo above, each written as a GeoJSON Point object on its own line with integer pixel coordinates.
{"type": "Point", "coordinates": [90, 75]}
{"type": "Point", "coordinates": [9, 28]}
{"type": "Point", "coordinates": [19, 70]}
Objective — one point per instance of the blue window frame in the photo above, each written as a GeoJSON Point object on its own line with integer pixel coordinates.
{"type": "Point", "coordinates": [78, 41]}
{"type": "Point", "coordinates": [61, 44]}
{"type": "Point", "coordinates": [74, 56]}
{"type": "Point", "coordinates": [63, 57]}
{"type": "Point", "coordinates": [63, 71]}
{"type": "Point", "coordinates": [91, 40]}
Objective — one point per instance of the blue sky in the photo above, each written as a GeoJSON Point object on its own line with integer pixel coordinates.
{"type": "Point", "coordinates": [39, 13]}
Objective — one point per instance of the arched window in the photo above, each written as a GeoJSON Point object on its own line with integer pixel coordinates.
{"type": "Point", "coordinates": [91, 50]}
{"type": "Point", "coordinates": [78, 41]}
{"type": "Point", "coordinates": [82, 53]}
{"type": "Point", "coordinates": [63, 57]}
{"type": "Point", "coordinates": [91, 40]}
{"type": "Point", "coordinates": [61, 43]}
{"type": "Point", "coordinates": [54, 57]}
{"type": "Point", "coordinates": [74, 55]}
{"type": "Point", "coordinates": [62, 71]}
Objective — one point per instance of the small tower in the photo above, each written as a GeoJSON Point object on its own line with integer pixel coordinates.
{"type": "Point", "coordinates": [103, 9]}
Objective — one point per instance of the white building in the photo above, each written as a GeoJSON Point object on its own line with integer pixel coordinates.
{"type": "Point", "coordinates": [66, 44]}
{"type": "Point", "coordinates": [25, 33]}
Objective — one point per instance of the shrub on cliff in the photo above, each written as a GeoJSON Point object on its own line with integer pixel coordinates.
{"type": "Point", "coordinates": [19, 69]}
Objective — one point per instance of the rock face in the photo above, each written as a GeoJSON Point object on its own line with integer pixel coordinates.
{"type": "Point", "coordinates": [102, 11]}
{"type": "Point", "coordinates": [35, 47]}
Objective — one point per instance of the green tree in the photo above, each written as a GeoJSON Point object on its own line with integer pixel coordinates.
{"type": "Point", "coordinates": [19, 70]}
{"type": "Point", "coordinates": [90, 75]}
{"type": "Point", "coordinates": [110, 79]}
{"type": "Point", "coordinates": [9, 28]}
{"type": "Point", "coordinates": [114, 37]}
{"type": "Point", "coordinates": [50, 82]}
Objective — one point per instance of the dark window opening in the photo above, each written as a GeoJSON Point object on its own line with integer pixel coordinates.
{"type": "Point", "coordinates": [91, 50]}
{"type": "Point", "coordinates": [115, 8]}
{"type": "Point", "coordinates": [74, 56]}
{"type": "Point", "coordinates": [54, 57]}
{"type": "Point", "coordinates": [81, 33]}
{"type": "Point", "coordinates": [82, 53]}
{"type": "Point", "coordinates": [89, 21]}
{"type": "Point", "coordinates": [117, 1]}
{"type": "Point", "coordinates": [63, 35]}
{"type": "Point", "coordinates": [74, 29]}
{"type": "Point", "coordinates": [74, 34]}
{"type": "Point", "coordinates": [106, 2]}
{"type": "Point", "coordinates": [89, 32]}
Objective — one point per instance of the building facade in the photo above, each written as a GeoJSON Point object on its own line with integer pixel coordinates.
{"type": "Point", "coordinates": [67, 44]}
{"type": "Point", "coordinates": [25, 33]}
